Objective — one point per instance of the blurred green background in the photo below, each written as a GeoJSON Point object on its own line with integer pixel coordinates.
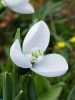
{"type": "Point", "coordinates": [60, 17]}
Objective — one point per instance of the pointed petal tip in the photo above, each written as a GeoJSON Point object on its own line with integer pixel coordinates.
{"type": "Point", "coordinates": [18, 57]}
{"type": "Point", "coordinates": [41, 22]}
{"type": "Point", "coordinates": [33, 38]}
{"type": "Point", "coordinates": [31, 10]}
{"type": "Point", "coordinates": [20, 6]}
{"type": "Point", "coordinates": [15, 42]}
{"type": "Point", "coordinates": [15, 45]}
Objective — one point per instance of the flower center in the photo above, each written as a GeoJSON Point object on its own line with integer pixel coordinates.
{"type": "Point", "coordinates": [36, 55]}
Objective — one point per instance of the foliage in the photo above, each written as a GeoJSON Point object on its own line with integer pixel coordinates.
{"type": "Point", "coordinates": [17, 83]}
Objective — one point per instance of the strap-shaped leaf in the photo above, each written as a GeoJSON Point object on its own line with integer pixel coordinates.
{"type": "Point", "coordinates": [72, 94]}
{"type": "Point", "coordinates": [45, 90]}
{"type": "Point", "coordinates": [7, 86]}
{"type": "Point", "coordinates": [29, 88]}
{"type": "Point", "coordinates": [21, 96]}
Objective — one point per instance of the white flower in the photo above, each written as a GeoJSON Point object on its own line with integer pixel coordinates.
{"type": "Point", "coordinates": [19, 6]}
{"type": "Point", "coordinates": [32, 53]}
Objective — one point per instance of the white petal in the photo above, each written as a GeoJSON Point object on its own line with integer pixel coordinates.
{"type": "Point", "coordinates": [52, 65]}
{"type": "Point", "coordinates": [23, 9]}
{"type": "Point", "coordinates": [17, 56]}
{"type": "Point", "coordinates": [20, 6]}
{"type": "Point", "coordinates": [12, 2]}
{"type": "Point", "coordinates": [38, 36]}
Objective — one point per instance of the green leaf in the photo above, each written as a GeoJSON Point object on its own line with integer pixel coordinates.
{"type": "Point", "coordinates": [7, 86]}
{"type": "Point", "coordinates": [21, 96]}
{"type": "Point", "coordinates": [42, 84]}
{"type": "Point", "coordinates": [45, 90]}
{"type": "Point", "coordinates": [31, 92]}
{"type": "Point", "coordinates": [29, 87]}
{"type": "Point", "coordinates": [53, 94]}
{"type": "Point", "coordinates": [1, 84]}
{"type": "Point", "coordinates": [1, 99]}
{"type": "Point", "coordinates": [72, 94]}
{"type": "Point", "coordinates": [17, 36]}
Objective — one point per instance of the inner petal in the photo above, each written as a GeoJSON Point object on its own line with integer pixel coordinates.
{"type": "Point", "coordinates": [36, 55]}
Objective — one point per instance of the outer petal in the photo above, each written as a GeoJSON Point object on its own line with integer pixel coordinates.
{"type": "Point", "coordinates": [38, 36]}
{"type": "Point", "coordinates": [17, 57]}
{"type": "Point", "coordinates": [26, 9]}
{"type": "Point", "coordinates": [12, 2]}
{"type": "Point", "coordinates": [51, 66]}
{"type": "Point", "coordinates": [20, 6]}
